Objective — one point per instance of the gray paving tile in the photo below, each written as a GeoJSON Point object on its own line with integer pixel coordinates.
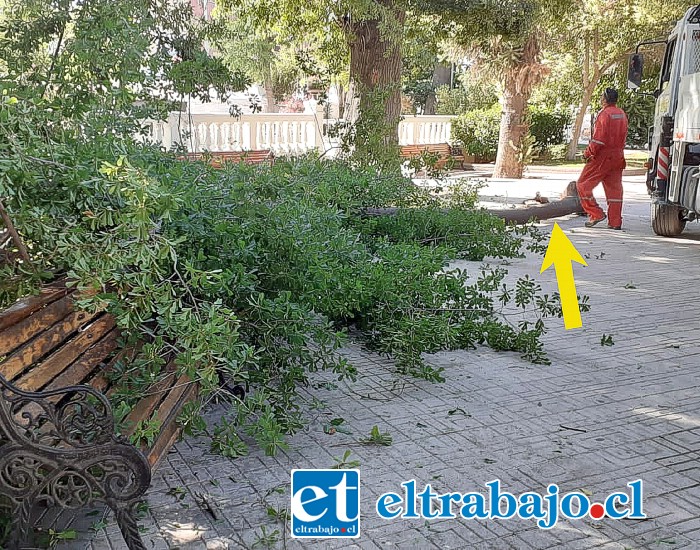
{"type": "Point", "coordinates": [634, 407]}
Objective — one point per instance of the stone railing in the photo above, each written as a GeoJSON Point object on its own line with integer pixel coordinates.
{"type": "Point", "coordinates": [287, 133]}
{"type": "Point", "coordinates": [282, 133]}
{"type": "Point", "coordinates": [423, 129]}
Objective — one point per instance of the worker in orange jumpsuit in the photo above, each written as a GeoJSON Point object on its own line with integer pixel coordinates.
{"type": "Point", "coordinates": [605, 161]}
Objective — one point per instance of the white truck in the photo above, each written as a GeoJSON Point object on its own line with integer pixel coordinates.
{"type": "Point", "coordinates": [674, 157]}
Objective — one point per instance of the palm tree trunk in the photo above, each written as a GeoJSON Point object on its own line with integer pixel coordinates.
{"type": "Point", "coordinates": [513, 130]}
{"type": "Point", "coordinates": [520, 80]}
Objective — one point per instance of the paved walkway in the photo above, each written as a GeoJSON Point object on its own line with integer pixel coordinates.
{"type": "Point", "coordinates": [597, 418]}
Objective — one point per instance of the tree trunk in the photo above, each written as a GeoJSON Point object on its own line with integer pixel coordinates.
{"type": "Point", "coordinates": [578, 125]}
{"type": "Point", "coordinates": [375, 71]}
{"type": "Point", "coordinates": [520, 79]}
{"type": "Point", "coordinates": [270, 98]}
{"type": "Point", "coordinates": [586, 99]}
{"type": "Point", "coordinates": [591, 73]}
{"type": "Point", "coordinates": [568, 204]}
{"type": "Point", "coordinates": [511, 135]}
{"type": "Point", "coordinates": [350, 104]}
{"type": "Point", "coordinates": [441, 76]}
{"type": "Point", "coordinates": [342, 94]}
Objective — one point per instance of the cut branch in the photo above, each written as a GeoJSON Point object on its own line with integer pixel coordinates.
{"type": "Point", "coordinates": [13, 233]}
{"type": "Point", "coordinates": [568, 204]}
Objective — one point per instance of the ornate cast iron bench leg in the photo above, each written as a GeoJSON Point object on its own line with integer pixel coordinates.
{"type": "Point", "coordinates": [126, 519]}
{"type": "Point", "coordinates": [59, 448]}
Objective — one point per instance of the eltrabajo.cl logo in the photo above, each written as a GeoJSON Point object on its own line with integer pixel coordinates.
{"type": "Point", "coordinates": [325, 503]}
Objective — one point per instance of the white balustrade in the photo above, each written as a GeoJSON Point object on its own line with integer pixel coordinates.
{"type": "Point", "coordinates": [424, 129]}
{"type": "Point", "coordinates": [156, 131]}
{"type": "Point", "coordinates": [283, 133]}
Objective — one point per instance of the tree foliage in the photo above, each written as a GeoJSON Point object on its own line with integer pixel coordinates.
{"type": "Point", "coordinates": [265, 57]}
{"type": "Point", "coordinates": [367, 33]}
{"type": "Point", "coordinates": [503, 38]}
{"type": "Point", "coordinates": [477, 132]}
{"type": "Point", "coordinates": [425, 64]}
{"type": "Point", "coordinates": [595, 37]}
{"type": "Point", "coordinates": [472, 89]}
{"type": "Point", "coordinates": [105, 59]}
{"type": "Point", "coordinates": [254, 274]}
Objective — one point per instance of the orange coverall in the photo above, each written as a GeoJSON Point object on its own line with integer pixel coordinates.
{"type": "Point", "coordinates": [606, 161]}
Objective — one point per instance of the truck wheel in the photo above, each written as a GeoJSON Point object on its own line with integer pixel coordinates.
{"type": "Point", "coordinates": [667, 220]}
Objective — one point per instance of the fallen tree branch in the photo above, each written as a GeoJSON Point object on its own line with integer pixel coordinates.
{"type": "Point", "coordinates": [568, 204]}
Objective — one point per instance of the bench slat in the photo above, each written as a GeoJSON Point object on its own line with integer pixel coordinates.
{"type": "Point", "coordinates": [87, 363]}
{"type": "Point", "coordinates": [218, 159]}
{"type": "Point", "coordinates": [54, 365]}
{"type": "Point", "coordinates": [101, 381]}
{"type": "Point", "coordinates": [183, 392]}
{"type": "Point", "coordinates": [24, 308]}
{"type": "Point", "coordinates": [43, 344]}
{"type": "Point", "coordinates": [443, 151]}
{"type": "Point", "coordinates": [144, 408]}
{"type": "Point", "coordinates": [22, 332]}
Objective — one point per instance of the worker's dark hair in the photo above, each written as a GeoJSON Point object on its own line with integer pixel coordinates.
{"type": "Point", "coordinates": [610, 95]}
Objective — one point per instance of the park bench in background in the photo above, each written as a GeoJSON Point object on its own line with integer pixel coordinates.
{"type": "Point", "coordinates": [58, 442]}
{"type": "Point", "coordinates": [218, 159]}
{"type": "Point", "coordinates": [445, 153]}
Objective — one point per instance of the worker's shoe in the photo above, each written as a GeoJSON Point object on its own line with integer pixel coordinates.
{"type": "Point", "coordinates": [615, 227]}
{"type": "Point", "coordinates": [592, 223]}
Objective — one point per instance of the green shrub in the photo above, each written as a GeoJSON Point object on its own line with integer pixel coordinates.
{"type": "Point", "coordinates": [451, 101]}
{"type": "Point", "coordinates": [547, 126]}
{"type": "Point", "coordinates": [556, 152]}
{"type": "Point", "coordinates": [256, 273]}
{"type": "Point", "coordinates": [477, 131]}
{"type": "Point", "coordinates": [473, 96]}
{"type": "Point", "coordinates": [418, 92]}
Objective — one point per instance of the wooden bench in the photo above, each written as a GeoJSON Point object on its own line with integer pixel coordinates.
{"type": "Point", "coordinates": [446, 153]}
{"type": "Point", "coordinates": [218, 159]}
{"type": "Point", "coordinates": [58, 440]}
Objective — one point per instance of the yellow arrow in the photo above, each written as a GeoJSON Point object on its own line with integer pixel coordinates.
{"type": "Point", "coordinates": [560, 254]}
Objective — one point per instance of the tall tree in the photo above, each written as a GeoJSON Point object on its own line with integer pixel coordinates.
{"type": "Point", "coordinates": [121, 62]}
{"type": "Point", "coordinates": [598, 35]}
{"type": "Point", "coordinates": [424, 64]}
{"type": "Point", "coordinates": [375, 61]}
{"type": "Point", "coordinates": [504, 39]}
{"type": "Point", "coordinates": [520, 69]}
{"type": "Point", "coordinates": [369, 30]}
{"type": "Point", "coordinates": [265, 56]}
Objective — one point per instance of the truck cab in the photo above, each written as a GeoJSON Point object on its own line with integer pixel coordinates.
{"type": "Point", "coordinates": [674, 157]}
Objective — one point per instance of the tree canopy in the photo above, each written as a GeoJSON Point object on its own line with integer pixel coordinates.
{"type": "Point", "coordinates": [595, 37]}
{"type": "Point", "coordinates": [118, 54]}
